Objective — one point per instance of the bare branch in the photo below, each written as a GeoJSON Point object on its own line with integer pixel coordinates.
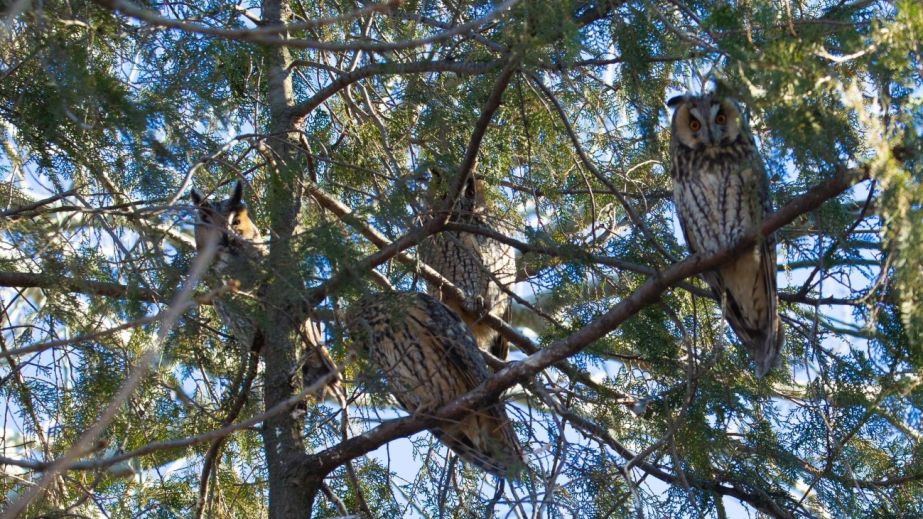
{"type": "Point", "coordinates": [16, 211]}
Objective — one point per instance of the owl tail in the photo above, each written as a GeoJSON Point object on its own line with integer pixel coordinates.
{"type": "Point", "coordinates": [764, 347]}
{"type": "Point", "coordinates": [486, 439]}
{"type": "Point", "coordinates": [763, 341]}
{"type": "Point", "coordinates": [746, 289]}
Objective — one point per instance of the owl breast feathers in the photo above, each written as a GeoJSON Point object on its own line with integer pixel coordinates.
{"type": "Point", "coordinates": [721, 191]}
{"type": "Point", "coordinates": [428, 357]}
{"type": "Point", "coordinates": [478, 265]}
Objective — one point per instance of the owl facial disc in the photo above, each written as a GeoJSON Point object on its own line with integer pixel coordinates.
{"type": "Point", "coordinates": [705, 121]}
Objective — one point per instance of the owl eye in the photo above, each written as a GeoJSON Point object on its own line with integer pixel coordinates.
{"type": "Point", "coordinates": [721, 119]}
{"type": "Point", "coordinates": [694, 125]}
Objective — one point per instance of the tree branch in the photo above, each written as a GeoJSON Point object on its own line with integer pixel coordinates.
{"type": "Point", "coordinates": [16, 212]}
{"type": "Point", "coordinates": [442, 212]}
{"type": "Point", "coordinates": [267, 36]}
{"type": "Point", "coordinates": [386, 69]}
{"type": "Point", "coordinates": [62, 283]}
{"type": "Point", "coordinates": [515, 372]}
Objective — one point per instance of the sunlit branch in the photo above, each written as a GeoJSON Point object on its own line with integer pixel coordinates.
{"type": "Point", "coordinates": [266, 36]}
{"type": "Point", "coordinates": [88, 439]}
{"type": "Point", "coordinates": [385, 69]}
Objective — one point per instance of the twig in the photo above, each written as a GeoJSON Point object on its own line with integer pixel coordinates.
{"type": "Point", "coordinates": [85, 443]}
{"type": "Point", "coordinates": [63, 283]}
{"type": "Point", "coordinates": [13, 213]}
{"type": "Point", "coordinates": [267, 35]}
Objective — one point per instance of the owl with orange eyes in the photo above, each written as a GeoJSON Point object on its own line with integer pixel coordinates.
{"type": "Point", "coordinates": [721, 192]}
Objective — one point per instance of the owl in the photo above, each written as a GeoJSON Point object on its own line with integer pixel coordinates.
{"type": "Point", "coordinates": [721, 191]}
{"type": "Point", "coordinates": [428, 358]}
{"type": "Point", "coordinates": [239, 256]}
{"type": "Point", "coordinates": [479, 266]}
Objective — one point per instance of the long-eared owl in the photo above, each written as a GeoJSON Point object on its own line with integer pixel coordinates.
{"type": "Point", "coordinates": [478, 265]}
{"type": "Point", "coordinates": [721, 191]}
{"type": "Point", "coordinates": [239, 256]}
{"type": "Point", "coordinates": [429, 358]}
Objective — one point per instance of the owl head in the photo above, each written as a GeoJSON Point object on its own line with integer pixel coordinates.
{"type": "Point", "coordinates": [226, 221]}
{"type": "Point", "coordinates": [470, 201]}
{"type": "Point", "coordinates": [705, 121]}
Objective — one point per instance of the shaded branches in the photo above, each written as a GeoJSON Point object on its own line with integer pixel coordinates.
{"type": "Point", "coordinates": [83, 286]}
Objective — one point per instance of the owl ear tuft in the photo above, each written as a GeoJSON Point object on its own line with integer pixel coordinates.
{"type": "Point", "coordinates": [238, 195]}
{"type": "Point", "coordinates": [471, 189]}
{"type": "Point", "coordinates": [676, 100]}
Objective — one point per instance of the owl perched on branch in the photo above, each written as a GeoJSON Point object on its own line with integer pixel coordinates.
{"type": "Point", "coordinates": [721, 191]}
{"type": "Point", "coordinates": [239, 256]}
{"type": "Point", "coordinates": [479, 266]}
{"type": "Point", "coordinates": [429, 358]}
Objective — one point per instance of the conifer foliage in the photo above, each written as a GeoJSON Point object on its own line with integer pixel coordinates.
{"type": "Point", "coordinates": [123, 395]}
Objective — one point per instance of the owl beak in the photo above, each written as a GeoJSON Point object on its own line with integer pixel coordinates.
{"type": "Point", "coordinates": [712, 137]}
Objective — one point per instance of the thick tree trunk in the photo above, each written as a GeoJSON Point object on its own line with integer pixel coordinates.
{"type": "Point", "coordinates": [290, 494]}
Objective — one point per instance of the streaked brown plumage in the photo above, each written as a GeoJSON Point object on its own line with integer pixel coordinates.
{"type": "Point", "coordinates": [721, 191]}
{"type": "Point", "coordinates": [239, 256]}
{"type": "Point", "coordinates": [428, 357]}
{"type": "Point", "coordinates": [479, 266]}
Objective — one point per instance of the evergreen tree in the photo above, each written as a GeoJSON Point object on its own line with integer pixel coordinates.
{"type": "Point", "coordinates": [124, 396]}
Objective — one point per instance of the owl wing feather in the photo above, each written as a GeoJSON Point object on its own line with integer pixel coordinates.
{"type": "Point", "coordinates": [430, 358]}
{"type": "Point", "coordinates": [485, 437]}
{"type": "Point", "coordinates": [478, 266]}
{"type": "Point", "coordinates": [748, 294]}
{"type": "Point", "coordinates": [765, 342]}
